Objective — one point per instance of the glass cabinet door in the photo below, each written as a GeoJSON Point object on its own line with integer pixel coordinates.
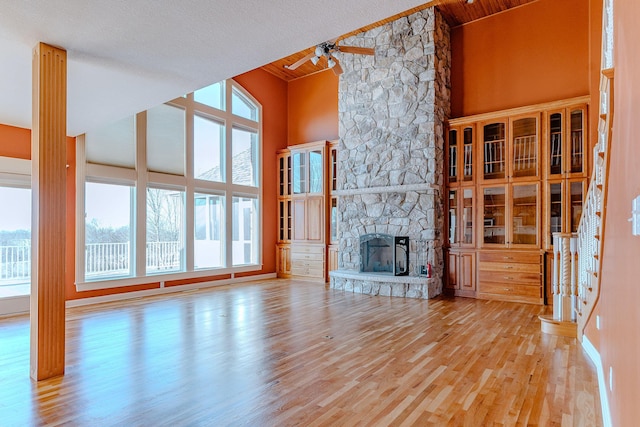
{"type": "Point", "coordinates": [577, 128]}
{"type": "Point", "coordinates": [467, 216]}
{"type": "Point", "coordinates": [288, 175]}
{"type": "Point", "coordinates": [282, 214]}
{"type": "Point", "coordinates": [453, 217]}
{"type": "Point", "coordinates": [467, 157]}
{"type": "Point", "coordinates": [315, 171]}
{"type": "Point", "coordinates": [299, 173]}
{"type": "Point", "coordinates": [453, 155]}
{"type": "Point", "coordinates": [576, 190]}
{"type": "Point", "coordinates": [555, 211]}
{"type": "Point", "coordinates": [281, 176]}
{"type": "Point", "coordinates": [524, 147]}
{"type": "Point", "coordinates": [334, 220]}
{"type": "Point", "coordinates": [494, 151]}
{"type": "Point", "coordinates": [554, 156]}
{"type": "Point", "coordinates": [334, 169]}
{"type": "Point", "coordinates": [494, 205]}
{"type": "Point", "coordinates": [524, 216]}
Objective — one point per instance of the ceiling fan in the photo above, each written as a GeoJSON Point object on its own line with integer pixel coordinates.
{"type": "Point", "coordinates": [328, 50]}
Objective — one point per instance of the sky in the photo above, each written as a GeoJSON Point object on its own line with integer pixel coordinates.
{"type": "Point", "coordinates": [15, 209]}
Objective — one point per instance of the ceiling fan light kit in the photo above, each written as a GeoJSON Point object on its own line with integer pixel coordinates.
{"type": "Point", "coordinates": [328, 50]}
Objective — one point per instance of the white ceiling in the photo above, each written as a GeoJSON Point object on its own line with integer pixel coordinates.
{"type": "Point", "coordinates": [125, 56]}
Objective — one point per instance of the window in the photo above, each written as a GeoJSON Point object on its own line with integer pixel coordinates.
{"type": "Point", "coordinates": [208, 136]}
{"type": "Point", "coordinates": [15, 242]}
{"type": "Point", "coordinates": [209, 222]}
{"type": "Point", "coordinates": [166, 139]}
{"type": "Point", "coordinates": [245, 238]}
{"type": "Point", "coordinates": [165, 225]}
{"type": "Point", "coordinates": [212, 95]}
{"type": "Point", "coordinates": [244, 158]}
{"type": "Point", "coordinates": [242, 107]}
{"type": "Point", "coordinates": [108, 213]}
{"type": "Point", "coordinates": [189, 187]}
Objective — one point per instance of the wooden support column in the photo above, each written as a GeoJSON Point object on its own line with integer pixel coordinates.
{"type": "Point", "coordinates": [48, 188]}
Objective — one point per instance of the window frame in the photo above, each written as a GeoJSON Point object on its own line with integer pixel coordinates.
{"type": "Point", "coordinates": [142, 178]}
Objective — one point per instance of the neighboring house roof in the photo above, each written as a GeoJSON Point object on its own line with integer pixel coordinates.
{"type": "Point", "coordinates": [241, 171]}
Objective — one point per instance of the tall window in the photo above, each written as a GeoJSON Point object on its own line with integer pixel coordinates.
{"type": "Point", "coordinates": [190, 173]}
{"type": "Point", "coordinates": [165, 225]}
{"type": "Point", "coordinates": [209, 220]}
{"type": "Point", "coordinates": [15, 241]}
{"type": "Point", "coordinates": [108, 215]}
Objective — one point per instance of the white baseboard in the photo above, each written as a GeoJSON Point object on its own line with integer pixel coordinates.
{"type": "Point", "coordinates": [14, 305]}
{"type": "Point", "coordinates": [166, 290]}
{"type": "Point", "coordinates": [20, 305]}
{"type": "Point", "coordinates": [604, 400]}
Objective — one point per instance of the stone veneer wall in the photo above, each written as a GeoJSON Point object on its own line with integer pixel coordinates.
{"type": "Point", "coordinates": [392, 108]}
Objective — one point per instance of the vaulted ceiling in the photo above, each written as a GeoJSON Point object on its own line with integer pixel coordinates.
{"type": "Point", "coordinates": [455, 12]}
{"type": "Point", "coordinates": [127, 56]}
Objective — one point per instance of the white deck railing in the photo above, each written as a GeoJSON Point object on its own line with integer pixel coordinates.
{"type": "Point", "coordinates": [101, 259]}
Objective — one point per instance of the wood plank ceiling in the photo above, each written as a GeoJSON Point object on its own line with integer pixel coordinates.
{"type": "Point", "coordinates": [456, 12]}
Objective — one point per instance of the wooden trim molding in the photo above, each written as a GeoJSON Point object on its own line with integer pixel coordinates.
{"type": "Point", "coordinates": [521, 110]}
{"type": "Point", "coordinates": [49, 180]}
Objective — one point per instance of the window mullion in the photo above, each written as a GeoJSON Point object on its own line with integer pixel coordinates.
{"type": "Point", "coordinates": [189, 196]}
{"type": "Point", "coordinates": [140, 225]}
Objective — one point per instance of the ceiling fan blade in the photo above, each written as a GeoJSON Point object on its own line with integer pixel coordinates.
{"type": "Point", "coordinates": [337, 69]}
{"type": "Point", "coordinates": [300, 61]}
{"type": "Point", "coordinates": [355, 49]}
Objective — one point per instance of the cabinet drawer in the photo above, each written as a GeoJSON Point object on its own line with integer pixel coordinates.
{"type": "Point", "coordinates": [307, 256]}
{"type": "Point", "coordinates": [314, 263]}
{"type": "Point", "coordinates": [511, 289]}
{"type": "Point", "coordinates": [509, 257]}
{"type": "Point", "coordinates": [308, 271]}
{"type": "Point", "coordinates": [307, 249]}
{"type": "Point", "coordinates": [509, 277]}
{"type": "Point", "coordinates": [509, 267]}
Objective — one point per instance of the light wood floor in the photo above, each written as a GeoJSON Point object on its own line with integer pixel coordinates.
{"type": "Point", "coordinates": [282, 352]}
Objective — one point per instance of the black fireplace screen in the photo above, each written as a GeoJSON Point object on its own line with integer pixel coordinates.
{"type": "Point", "coordinates": [385, 254]}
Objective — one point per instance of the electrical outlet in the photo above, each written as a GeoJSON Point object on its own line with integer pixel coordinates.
{"type": "Point", "coordinates": [635, 217]}
{"type": "Point", "coordinates": [610, 378]}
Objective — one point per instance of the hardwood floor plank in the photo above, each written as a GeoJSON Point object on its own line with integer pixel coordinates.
{"type": "Point", "coordinates": [283, 352]}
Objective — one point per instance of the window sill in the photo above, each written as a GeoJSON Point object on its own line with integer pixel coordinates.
{"type": "Point", "coordinates": [162, 278]}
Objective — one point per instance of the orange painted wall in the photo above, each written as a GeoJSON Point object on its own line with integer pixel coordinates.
{"type": "Point", "coordinates": [536, 53]}
{"type": "Point", "coordinates": [270, 91]}
{"type": "Point", "coordinates": [15, 142]}
{"type": "Point", "coordinates": [313, 108]}
{"type": "Point", "coordinates": [620, 286]}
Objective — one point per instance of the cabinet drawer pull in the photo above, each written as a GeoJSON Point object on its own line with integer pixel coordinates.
{"type": "Point", "coordinates": [508, 289]}
{"type": "Point", "coordinates": [508, 278]}
{"type": "Point", "coordinates": [508, 267]}
{"type": "Point", "coordinates": [508, 257]}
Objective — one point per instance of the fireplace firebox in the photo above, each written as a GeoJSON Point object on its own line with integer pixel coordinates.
{"type": "Point", "coordinates": [384, 254]}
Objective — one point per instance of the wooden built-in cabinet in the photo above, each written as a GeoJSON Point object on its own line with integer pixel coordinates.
{"type": "Point", "coordinates": [305, 206]}
{"type": "Point", "coordinates": [514, 177]}
{"type": "Point", "coordinates": [511, 276]}
{"type": "Point", "coordinates": [285, 210]}
{"type": "Point", "coordinates": [461, 272]}
{"type": "Point", "coordinates": [332, 250]}
{"type": "Point", "coordinates": [460, 279]}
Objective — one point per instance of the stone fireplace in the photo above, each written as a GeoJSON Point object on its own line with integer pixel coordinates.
{"type": "Point", "coordinates": [392, 109]}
